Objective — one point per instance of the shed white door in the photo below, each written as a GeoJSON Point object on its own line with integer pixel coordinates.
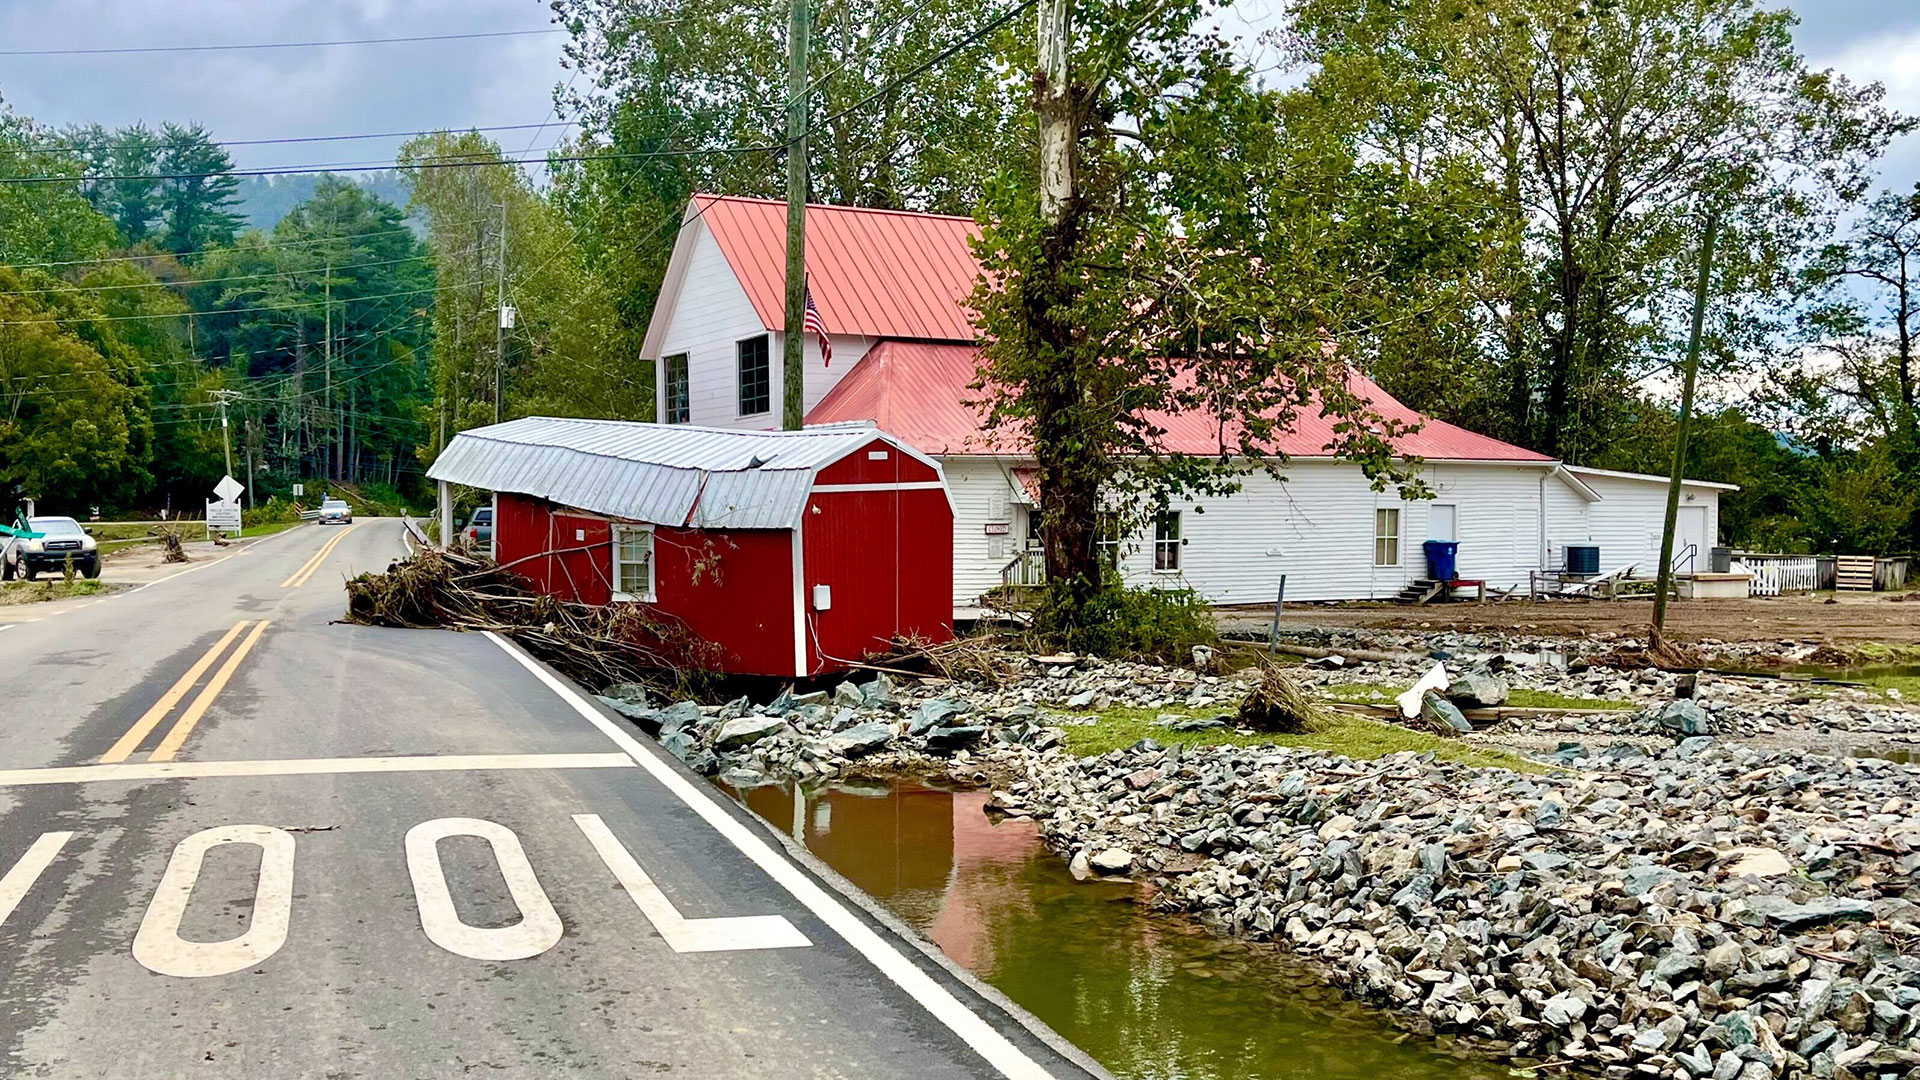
{"type": "Point", "coordinates": [1690, 528]}
{"type": "Point", "coordinates": [1443, 521]}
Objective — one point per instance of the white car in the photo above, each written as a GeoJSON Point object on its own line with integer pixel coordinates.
{"type": "Point", "coordinates": [335, 510]}
{"type": "Point", "coordinates": [62, 538]}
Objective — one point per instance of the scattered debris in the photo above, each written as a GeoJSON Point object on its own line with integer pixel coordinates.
{"type": "Point", "coordinates": [594, 644]}
{"type": "Point", "coordinates": [169, 536]}
{"type": "Point", "coordinates": [1278, 704]}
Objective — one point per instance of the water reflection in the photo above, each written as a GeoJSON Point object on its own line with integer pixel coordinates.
{"type": "Point", "coordinates": [1151, 998]}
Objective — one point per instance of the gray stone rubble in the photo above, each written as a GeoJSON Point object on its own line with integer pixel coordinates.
{"type": "Point", "coordinates": [1673, 899]}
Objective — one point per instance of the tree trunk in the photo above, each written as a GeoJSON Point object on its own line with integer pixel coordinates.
{"type": "Point", "coordinates": [1070, 469]}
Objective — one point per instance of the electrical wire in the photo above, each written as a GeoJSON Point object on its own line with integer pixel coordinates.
{"type": "Point", "coordinates": [385, 166]}
{"type": "Point", "coordinates": [217, 247]}
{"type": "Point", "coordinates": [188, 283]}
{"type": "Point", "coordinates": [191, 314]}
{"type": "Point", "coordinates": [86, 147]}
{"type": "Point", "coordinates": [279, 44]}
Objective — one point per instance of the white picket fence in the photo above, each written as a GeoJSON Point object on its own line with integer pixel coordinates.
{"type": "Point", "coordinates": [1776, 574]}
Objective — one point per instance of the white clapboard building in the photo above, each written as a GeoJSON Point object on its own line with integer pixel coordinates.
{"type": "Point", "coordinates": [891, 288]}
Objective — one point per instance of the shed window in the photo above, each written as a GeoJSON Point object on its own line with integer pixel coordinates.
{"type": "Point", "coordinates": [1166, 541]}
{"type": "Point", "coordinates": [679, 403]}
{"type": "Point", "coordinates": [1386, 537]}
{"type": "Point", "coordinates": [756, 387]}
{"type": "Point", "coordinates": [633, 563]}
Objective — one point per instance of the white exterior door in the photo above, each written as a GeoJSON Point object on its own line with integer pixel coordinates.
{"type": "Point", "coordinates": [1443, 521]}
{"type": "Point", "coordinates": [1690, 528]}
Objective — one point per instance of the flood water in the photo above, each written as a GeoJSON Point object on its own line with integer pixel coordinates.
{"type": "Point", "coordinates": [1150, 997]}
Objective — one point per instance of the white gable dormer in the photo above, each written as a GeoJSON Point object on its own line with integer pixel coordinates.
{"type": "Point", "coordinates": [705, 315]}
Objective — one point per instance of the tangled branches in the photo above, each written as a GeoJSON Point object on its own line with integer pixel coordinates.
{"type": "Point", "coordinates": [595, 645]}
{"type": "Point", "coordinates": [170, 543]}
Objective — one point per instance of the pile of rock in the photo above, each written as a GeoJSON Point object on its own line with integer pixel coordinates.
{"type": "Point", "coordinates": [819, 735]}
{"type": "Point", "coordinates": [1715, 911]}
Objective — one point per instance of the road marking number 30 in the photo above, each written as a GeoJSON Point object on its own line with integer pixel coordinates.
{"type": "Point", "coordinates": [159, 947]}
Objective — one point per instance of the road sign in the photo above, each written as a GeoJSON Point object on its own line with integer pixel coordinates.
{"type": "Point", "coordinates": [299, 490]}
{"type": "Point", "coordinates": [223, 516]}
{"type": "Point", "coordinates": [228, 489]}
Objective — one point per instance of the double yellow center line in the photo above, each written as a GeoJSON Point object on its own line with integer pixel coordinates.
{"type": "Point", "coordinates": [301, 575]}
{"type": "Point", "coordinates": [177, 735]}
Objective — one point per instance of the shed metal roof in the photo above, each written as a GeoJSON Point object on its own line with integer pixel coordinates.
{"type": "Point", "coordinates": [667, 474]}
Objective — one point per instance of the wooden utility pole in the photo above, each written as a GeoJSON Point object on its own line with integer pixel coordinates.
{"type": "Point", "coordinates": [500, 322]}
{"type": "Point", "coordinates": [326, 286]}
{"type": "Point", "coordinates": [793, 368]}
{"type": "Point", "coordinates": [1692, 369]}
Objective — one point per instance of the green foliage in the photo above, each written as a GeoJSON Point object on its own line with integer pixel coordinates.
{"type": "Point", "coordinates": [44, 222]}
{"type": "Point", "coordinates": [1162, 624]}
{"type": "Point", "coordinates": [569, 353]}
{"type": "Point", "coordinates": [275, 511]}
{"type": "Point", "coordinates": [1208, 260]}
{"type": "Point", "coordinates": [1339, 733]}
{"type": "Point", "coordinates": [1595, 132]}
{"type": "Point", "coordinates": [73, 423]}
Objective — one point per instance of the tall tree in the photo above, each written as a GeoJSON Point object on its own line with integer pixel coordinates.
{"type": "Point", "coordinates": [566, 352]}
{"type": "Point", "coordinates": [1227, 254]}
{"type": "Point", "coordinates": [1859, 387]}
{"type": "Point", "coordinates": [132, 155]}
{"type": "Point", "coordinates": [44, 221]}
{"type": "Point", "coordinates": [201, 193]}
{"type": "Point", "coordinates": [1596, 129]}
{"type": "Point", "coordinates": [342, 263]}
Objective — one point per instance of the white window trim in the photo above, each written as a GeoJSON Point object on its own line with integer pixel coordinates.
{"type": "Point", "coordinates": [653, 591]}
{"type": "Point", "coordinates": [1179, 528]}
{"type": "Point", "coordinates": [1398, 522]}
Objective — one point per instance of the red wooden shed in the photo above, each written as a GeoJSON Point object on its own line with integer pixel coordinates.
{"type": "Point", "coordinates": [796, 552]}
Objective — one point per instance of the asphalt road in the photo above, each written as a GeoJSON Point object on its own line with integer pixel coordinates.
{"type": "Point", "coordinates": [238, 839]}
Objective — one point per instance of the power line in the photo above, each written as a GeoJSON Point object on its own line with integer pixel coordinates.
{"type": "Point", "coordinates": [278, 44]}
{"type": "Point", "coordinates": [156, 283]}
{"type": "Point", "coordinates": [215, 247]}
{"type": "Point", "coordinates": [915, 72]}
{"type": "Point", "coordinates": [82, 148]}
{"type": "Point", "coordinates": [349, 167]}
{"type": "Point", "coordinates": [203, 314]}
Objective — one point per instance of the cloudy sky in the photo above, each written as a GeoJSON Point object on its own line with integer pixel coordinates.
{"type": "Point", "coordinates": [510, 81]}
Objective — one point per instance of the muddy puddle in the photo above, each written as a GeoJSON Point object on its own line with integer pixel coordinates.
{"type": "Point", "coordinates": [1150, 997]}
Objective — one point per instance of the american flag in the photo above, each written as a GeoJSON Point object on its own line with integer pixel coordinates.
{"type": "Point", "coordinates": [812, 324]}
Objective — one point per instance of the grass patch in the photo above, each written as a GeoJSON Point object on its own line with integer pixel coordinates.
{"type": "Point", "coordinates": [1519, 697]}
{"type": "Point", "coordinates": [35, 592]}
{"type": "Point", "coordinates": [1353, 736]}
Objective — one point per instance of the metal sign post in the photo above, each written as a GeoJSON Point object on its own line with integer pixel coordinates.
{"type": "Point", "coordinates": [1279, 600]}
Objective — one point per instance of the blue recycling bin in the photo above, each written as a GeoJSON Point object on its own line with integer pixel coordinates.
{"type": "Point", "coordinates": [1442, 558]}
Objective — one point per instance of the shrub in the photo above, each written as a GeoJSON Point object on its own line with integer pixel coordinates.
{"type": "Point", "coordinates": [274, 511]}
{"type": "Point", "coordinates": [1120, 622]}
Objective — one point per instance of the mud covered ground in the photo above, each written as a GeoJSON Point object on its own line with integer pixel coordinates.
{"type": "Point", "coordinates": [1853, 619]}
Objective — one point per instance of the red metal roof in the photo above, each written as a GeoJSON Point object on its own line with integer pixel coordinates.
{"type": "Point", "coordinates": [919, 393]}
{"type": "Point", "coordinates": [877, 273]}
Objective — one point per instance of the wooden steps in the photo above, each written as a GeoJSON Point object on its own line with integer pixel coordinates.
{"type": "Point", "coordinates": [1419, 591]}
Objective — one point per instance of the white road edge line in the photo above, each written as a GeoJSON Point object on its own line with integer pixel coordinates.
{"type": "Point", "coordinates": [193, 770]}
{"type": "Point", "coordinates": [990, 1044]}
